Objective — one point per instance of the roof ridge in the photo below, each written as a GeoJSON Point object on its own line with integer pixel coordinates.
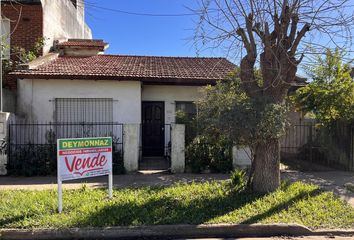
{"type": "Point", "coordinates": [153, 56]}
{"type": "Point", "coordinates": [84, 40]}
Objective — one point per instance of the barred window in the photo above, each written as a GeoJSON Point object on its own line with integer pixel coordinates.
{"type": "Point", "coordinates": [78, 110]}
{"type": "Point", "coordinates": [187, 107]}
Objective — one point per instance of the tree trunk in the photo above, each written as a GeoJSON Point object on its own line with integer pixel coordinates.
{"type": "Point", "coordinates": [266, 176]}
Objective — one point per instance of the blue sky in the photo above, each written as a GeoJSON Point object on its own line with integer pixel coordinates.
{"type": "Point", "coordinates": [143, 35]}
{"type": "Point", "coordinates": [147, 35]}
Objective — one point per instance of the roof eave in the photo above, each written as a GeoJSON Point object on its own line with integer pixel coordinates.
{"type": "Point", "coordinates": [145, 80]}
{"type": "Point", "coordinates": [99, 48]}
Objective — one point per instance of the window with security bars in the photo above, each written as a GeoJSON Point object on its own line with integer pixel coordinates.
{"type": "Point", "coordinates": [89, 110]}
{"type": "Point", "coordinates": [189, 108]}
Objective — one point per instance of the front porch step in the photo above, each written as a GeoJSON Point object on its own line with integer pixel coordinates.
{"type": "Point", "coordinates": [151, 172]}
{"type": "Point", "coordinates": [153, 164]}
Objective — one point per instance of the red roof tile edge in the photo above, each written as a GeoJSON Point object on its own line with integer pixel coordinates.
{"type": "Point", "coordinates": [83, 43]}
{"type": "Point", "coordinates": [145, 80]}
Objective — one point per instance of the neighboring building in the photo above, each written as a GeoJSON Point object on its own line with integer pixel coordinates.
{"type": "Point", "coordinates": [24, 22]}
{"type": "Point", "coordinates": [31, 20]}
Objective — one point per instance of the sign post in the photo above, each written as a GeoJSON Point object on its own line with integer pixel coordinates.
{"type": "Point", "coordinates": [82, 158]}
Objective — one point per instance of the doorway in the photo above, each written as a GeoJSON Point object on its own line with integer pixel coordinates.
{"type": "Point", "coordinates": [153, 129]}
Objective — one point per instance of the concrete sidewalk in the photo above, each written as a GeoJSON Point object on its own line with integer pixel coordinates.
{"type": "Point", "coordinates": [329, 180]}
{"type": "Point", "coordinates": [128, 180]}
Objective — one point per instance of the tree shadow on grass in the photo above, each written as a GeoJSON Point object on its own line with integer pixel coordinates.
{"type": "Point", "coordinates": [282, 206]}
{"type": "Point", "coordinates": [168, 210]}
{"type": "Point", "coordinates": [4, 222]}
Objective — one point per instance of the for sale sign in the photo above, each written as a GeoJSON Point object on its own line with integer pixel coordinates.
{"type": "Point", "coordinates": [83, 158]}
{"type": "Point", "coordinates": [86, 157]}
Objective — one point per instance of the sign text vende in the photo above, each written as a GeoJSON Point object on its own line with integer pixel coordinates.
{"type": "Point", "coordinates": [81, 158]}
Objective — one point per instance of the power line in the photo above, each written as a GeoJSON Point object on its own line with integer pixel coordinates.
{"type": "Point", "coordinates": [92, 5]}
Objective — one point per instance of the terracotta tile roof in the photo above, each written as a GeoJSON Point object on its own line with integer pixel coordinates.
{"type": "Point", "coordinates": [173, 70]}
{"type": "Point", "coordinates": [83, 43]}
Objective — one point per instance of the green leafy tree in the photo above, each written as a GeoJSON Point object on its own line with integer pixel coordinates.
{"type": "Point", "coordinates": [330, 95]}
{"type": "Point", "coordinates": [19, 55]}
{"type": "Point", "coordinates": [227, 110]}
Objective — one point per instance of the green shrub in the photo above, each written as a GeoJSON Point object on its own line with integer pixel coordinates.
{"type": "Point", "coordinates": [207, 149]}
{"type": "Point", "coordinates": [117, 162]}
{"type": "Point", "coordinates": [117, 156]}
{"type": "Point", "coordinates": [33, 160]}
{"type": "Point", "coordinates": [190, 123]}
{"type": "Point", "coordinates": [197, 155]}
{"type": "Point", "coordinates": [238, 179]}
{"type": "Point", "coordinates": [204, 154]}
{"type": "Point", "coordinates": [220, 153]}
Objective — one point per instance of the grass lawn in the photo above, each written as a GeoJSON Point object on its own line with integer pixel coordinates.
{"type": "Point", "coordinates": [211, 202]}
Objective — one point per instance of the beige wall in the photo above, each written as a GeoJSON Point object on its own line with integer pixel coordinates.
{"type": "Point", "coordinates": [61, 20]}
{"type": "Point", "coordinates": [169, 95]}
{"type": "Point", "coordinates": [35, 97]}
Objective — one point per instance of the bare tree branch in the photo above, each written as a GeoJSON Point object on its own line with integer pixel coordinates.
{"type": "Point", "coordinates": [274, 36]}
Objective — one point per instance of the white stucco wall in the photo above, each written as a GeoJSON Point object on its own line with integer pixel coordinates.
{"type": "Point", "coordinates": [131, 147]}
{"type": "Point", "coordinates": [4, 118]}
{"type": "Point", "coordinates": [61, 20]}
{"type": "Point", "coordinates": [178, 148]}
{"type": "Point", "coordinates": [35, 97]}
{"type": "Point", "coordinates": [169, 95]}
{"type": "Point", "coordinates": [241, 157]}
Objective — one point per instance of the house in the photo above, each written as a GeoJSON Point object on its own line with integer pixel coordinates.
{"type": "Point", "coordinates": [135, 86]}
{"type": "Point", "coordinates": [80, 84]}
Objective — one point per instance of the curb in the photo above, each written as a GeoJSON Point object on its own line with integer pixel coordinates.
{"type": "Point", "coordinates": [170, 231]}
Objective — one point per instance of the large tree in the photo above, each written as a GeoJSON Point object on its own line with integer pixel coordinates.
{"type": "Point", "coordinates": [273, 36]}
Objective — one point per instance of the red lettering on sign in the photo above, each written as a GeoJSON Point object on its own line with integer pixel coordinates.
{"type": "Point", "coordinates": [82, 165]}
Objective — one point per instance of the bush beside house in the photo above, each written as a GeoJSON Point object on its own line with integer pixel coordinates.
{"type": "Point", "coordinates": [205, 151]}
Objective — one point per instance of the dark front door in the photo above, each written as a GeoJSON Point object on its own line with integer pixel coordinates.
{"type": "Point", "coordinates": [153, 128]}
